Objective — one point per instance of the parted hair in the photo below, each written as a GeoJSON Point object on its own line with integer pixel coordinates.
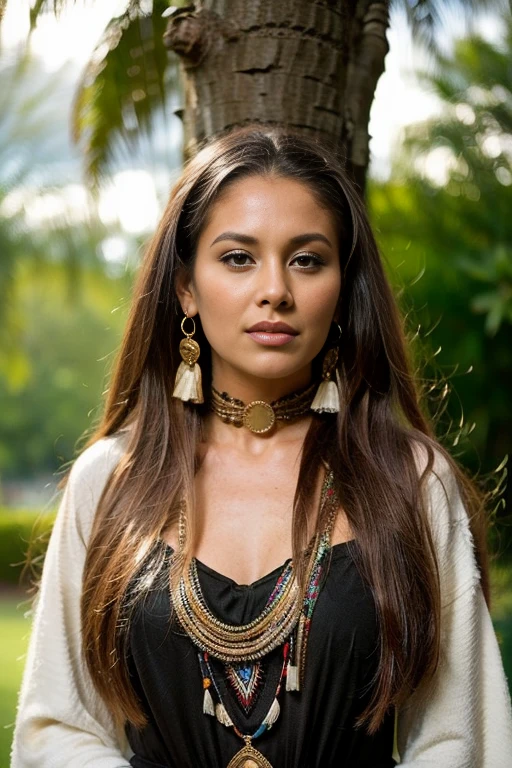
{"type": "Point", "coordinates": [371, 445]}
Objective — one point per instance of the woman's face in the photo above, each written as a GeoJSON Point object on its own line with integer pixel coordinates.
{"type": "Point", "coordinates": [269, 253]}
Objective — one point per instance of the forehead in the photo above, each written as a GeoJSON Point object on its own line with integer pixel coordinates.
{"type": "Point", "coordinates": [270, 204]}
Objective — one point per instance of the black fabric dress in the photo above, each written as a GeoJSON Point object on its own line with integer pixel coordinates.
{"type": "Point", "coordinates": [315, 726]}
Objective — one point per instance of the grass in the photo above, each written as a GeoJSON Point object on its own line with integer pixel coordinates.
{"type": "Point", "coordinates": [14, 635]}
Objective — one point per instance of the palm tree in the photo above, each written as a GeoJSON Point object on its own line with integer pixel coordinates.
{"type": "Point", "coordinates": [310, 64]}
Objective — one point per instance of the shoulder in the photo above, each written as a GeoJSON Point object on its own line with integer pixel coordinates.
{"type": "Point", "coordinates": [98, 460]}
{"type": "Point", "coordinates": [449, 521]}
{"type": "Point", "coordinates": [88, 477]}
{"type": "Point", "coordinates": [435, 469]}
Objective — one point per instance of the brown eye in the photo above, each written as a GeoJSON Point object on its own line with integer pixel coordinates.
{"type": "Point", "coordinates": [239, 259]}
{"type": "Point", "coordinates": [308, 261]}
{"type": "Point", "coordinates": [236, 259]}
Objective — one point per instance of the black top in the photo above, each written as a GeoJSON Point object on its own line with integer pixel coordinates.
{"type": "Point", "coordinates": [315, 726]}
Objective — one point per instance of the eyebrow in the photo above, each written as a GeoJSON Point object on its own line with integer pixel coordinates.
{"type": "Point", "coordinates": [307, 237]}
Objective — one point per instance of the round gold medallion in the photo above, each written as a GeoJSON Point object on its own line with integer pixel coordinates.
{"type": "Point", "coordinates": [189, 350]}
{"type": "Point", "coordinates": [259, 417]}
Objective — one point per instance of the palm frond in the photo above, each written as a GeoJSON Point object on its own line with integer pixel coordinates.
{"type": "Point", "coordinates": [427, 17]}
{"type": "Point", "coordinates": [122, 87]}
{"type": "Point", "coordinates": [38, 7]}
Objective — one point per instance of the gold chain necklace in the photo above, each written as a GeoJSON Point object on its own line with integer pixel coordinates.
{"type": "Point", "coordinates": [253, 640]}
{"type": "Point", "coordinates": [286, 611]}
{"type": "Point", "coordinates": [259, 416]}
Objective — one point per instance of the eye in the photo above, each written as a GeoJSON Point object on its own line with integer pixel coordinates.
{"type": "Point", "coordinates": [236, 259]}
{"type": "Point", "coordinates": [307, 261]}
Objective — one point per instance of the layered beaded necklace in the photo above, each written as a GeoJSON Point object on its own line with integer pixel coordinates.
{"type": "Point", "coordinates": [286, 619]}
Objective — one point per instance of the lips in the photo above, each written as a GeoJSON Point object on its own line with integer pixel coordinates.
{"type": "Point", "coordinates": [272, 334]}
{"type": "Point", "coordinates": [267, 327]}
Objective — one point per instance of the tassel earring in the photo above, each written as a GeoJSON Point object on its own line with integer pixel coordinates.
{"type": "Point", "coordinates": [327, 398]}
{"type": "Point", "coordinates": [187, 385]}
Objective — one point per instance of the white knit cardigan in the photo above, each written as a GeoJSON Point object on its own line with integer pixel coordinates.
{"type": "Point", "coordinates": [61, 721]}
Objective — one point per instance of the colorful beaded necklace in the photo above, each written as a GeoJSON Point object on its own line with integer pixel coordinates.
{"type": "Point", "coordinates": [286, 617]}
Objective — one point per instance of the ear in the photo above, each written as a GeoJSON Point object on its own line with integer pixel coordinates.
{"type": "Point", "coordinates": [185, 292]}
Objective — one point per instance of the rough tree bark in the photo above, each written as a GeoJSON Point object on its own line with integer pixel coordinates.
{"type": "Point", "coordinates": [309, 64]}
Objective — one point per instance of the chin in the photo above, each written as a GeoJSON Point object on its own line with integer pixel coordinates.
{"type": "Point", "coordinates": [270, 366]}
{"type": "Point", "coordinates": [272, 373]}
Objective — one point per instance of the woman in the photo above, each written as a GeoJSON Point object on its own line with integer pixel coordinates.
{"type": "Point", "coordinates": [264, 557]}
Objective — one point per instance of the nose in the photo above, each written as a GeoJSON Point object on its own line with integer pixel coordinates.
{"type": "Point", "coordinates": [273, 285]}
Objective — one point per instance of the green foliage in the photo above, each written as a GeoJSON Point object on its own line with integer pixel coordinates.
{"type": "Point", "coordinates": [14, 636]}
{"type": "Point", "coordinates": [448, 243]}
{"type": "Point", "coordinates": [495, 269]}
{"type": "Point", "coordinates": [58, 320]}
{"type": "Point", "coordinates": [20, 127]}
{"type": "Point", "coordinates": [123, 85]}
{"type": "Point", "coordinates": [23, 131]}
{"type": "Point", "coordinates": [473, 138]}
{"type": "Point", "coordinates": [437, 297]}
{"type": "Point", "coordinates": [69, 339]}
{"type": "Point", "coordinates": [23, 536]}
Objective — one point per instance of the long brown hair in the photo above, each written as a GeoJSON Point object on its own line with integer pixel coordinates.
{"type": "Point", "coordinates": [372, 445]}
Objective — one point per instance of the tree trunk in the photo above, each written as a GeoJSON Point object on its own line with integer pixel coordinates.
{"type": "Point", "coordinates": [309, 64]}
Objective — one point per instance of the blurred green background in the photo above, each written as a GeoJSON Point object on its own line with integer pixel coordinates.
{"type": "Point", "coordinates": [440, 203]}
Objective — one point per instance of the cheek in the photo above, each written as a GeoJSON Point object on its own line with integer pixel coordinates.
{"type": "Point", "coordinates": [319, 302]}
{"type": "Point", "coordinates": [218, 293]}
{"type": "Point", "coordinates": [220, 306]}
{"type": "Point", "coordinates": [210, 296]}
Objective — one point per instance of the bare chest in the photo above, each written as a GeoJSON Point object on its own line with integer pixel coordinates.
{"type": "Point", "coordinates": [244, 519]}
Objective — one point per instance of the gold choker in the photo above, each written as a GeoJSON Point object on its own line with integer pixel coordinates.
{"type": "Point", "coordinates": [259, 416]}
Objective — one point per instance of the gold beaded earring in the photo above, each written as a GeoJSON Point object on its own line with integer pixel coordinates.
{"type": "Point", "coordinates": [327, 398]}
{"type": "Point", "coordinates": [187, 385]}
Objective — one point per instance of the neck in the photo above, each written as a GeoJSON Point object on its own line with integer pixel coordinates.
{"type": "Point", "coordinates": [216, 432]}
{"type": "Point", "coordinates": [249, 388]}
{"type": "Point", "coordinates": [264, 427]}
